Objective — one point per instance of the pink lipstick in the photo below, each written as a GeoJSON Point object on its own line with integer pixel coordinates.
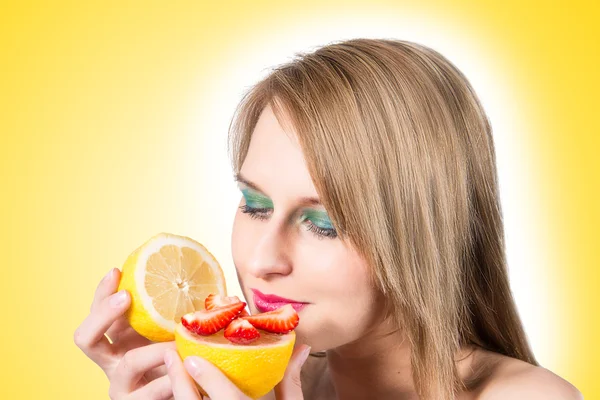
{"type": "Point", "coordinates": [270, 302]}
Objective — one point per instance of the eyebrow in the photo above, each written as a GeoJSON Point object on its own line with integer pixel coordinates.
{"type": "Point", "coordinates": [305, 200]}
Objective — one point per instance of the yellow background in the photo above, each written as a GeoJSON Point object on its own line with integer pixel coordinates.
{"type": "Point", "coordinates": [101, 110]}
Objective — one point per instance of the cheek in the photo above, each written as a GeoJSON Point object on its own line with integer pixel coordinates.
{"type": "Point", "coordinates": [346, 305]}
{"type": "Point", "coordinates": [351, 293]}
{"type": "Point", "coordinates": [343, 274]}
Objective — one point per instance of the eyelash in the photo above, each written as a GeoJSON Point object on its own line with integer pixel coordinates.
{"type": "Point", "coordinates": [319, 232]}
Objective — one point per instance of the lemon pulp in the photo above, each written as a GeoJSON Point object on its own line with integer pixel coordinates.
{"type": "Point", "coordinates": [167, 277]}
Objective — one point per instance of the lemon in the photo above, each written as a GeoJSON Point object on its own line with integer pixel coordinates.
{"type": "Point", "coordinates": [167, 277]}
{"type": "Point", "coordinates": [254, 368]}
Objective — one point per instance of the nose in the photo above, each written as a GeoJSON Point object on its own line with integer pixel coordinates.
{"type": "Point", "coordinates": [270, 256]}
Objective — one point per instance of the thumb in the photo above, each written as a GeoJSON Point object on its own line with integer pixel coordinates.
{"type": "Point", "coordinates": [290, 388]}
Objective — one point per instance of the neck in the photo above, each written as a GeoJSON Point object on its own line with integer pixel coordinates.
{"type": "Point", "coordinates": [376, 366]}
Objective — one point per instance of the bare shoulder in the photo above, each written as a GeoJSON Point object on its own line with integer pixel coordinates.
{"type": "Point", "coordinates": [512, 378]}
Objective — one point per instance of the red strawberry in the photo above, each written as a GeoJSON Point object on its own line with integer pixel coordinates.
{"type": "Point", "coordinates": [241, 331]}
{"type": "Point", "coordinates": [215, 300]}
{"type": "Point", "coordinates": [207, 322]}
{"type": "Point", "coordinates": [282, 320]}
{"type": "Point", "coordinates": [244, 313]}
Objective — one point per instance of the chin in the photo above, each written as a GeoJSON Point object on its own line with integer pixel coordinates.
{"type": "Point", "coordinates": [315, 344]}
{"type": "Point", "coordinates": [318, 339]}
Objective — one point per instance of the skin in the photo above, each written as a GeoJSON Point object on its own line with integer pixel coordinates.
{"type": "Point", "coordinates": [277, 253]}
{"type": "Point", "coordinates": [133, 365]}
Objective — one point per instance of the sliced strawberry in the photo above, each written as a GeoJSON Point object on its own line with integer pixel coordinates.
{"type": "Point", "coordinates": [215, 300]}
{"type": "Point", "coordinates": [241, 331]}
{"type": "Point", "coordinates": [282, 320]}
{"type": "Point", "coordinates": [207, 322]}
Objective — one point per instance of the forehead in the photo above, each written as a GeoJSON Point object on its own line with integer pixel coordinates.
{"type": "Point", "coordinates": [275, 161]}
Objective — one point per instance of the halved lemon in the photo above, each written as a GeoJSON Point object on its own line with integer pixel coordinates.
{"type": "Point", "coordinates": [168, 276]}
{"type": "Point", "coordinates": [254, 368]}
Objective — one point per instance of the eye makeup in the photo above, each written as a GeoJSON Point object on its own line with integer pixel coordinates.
{"type": "Point", "coordinates": [259, 206]}
{"type": "Point", "coordinates": [255, 199]}
{"type": "Point", "coordinates": [319, 222]}
{"type": "Point", "coordinates": [318, 218]}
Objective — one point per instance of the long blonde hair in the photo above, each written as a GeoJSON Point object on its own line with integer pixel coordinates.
{"type": "Point", "coordinates": [397, 126]}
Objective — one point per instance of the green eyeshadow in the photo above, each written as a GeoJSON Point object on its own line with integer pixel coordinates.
{"type": "Point", "coordinates": [256, 200]}
{"type": "Point", "coordinates": [319, 218]}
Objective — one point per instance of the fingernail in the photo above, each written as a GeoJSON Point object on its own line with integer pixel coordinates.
{"type": "Point", "coordinates": [193, 364]}
{"type": "Point", "coordinates": [304, 355]}
{"type": "Point", "coordinates": [109, 275]}
{"type": "Point", "coordinates": [118, 299]}
{"type": "Point", "coordinates": [168, 359]}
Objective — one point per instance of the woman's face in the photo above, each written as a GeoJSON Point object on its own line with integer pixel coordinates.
{"type": "Point", "coordinates": [284, 244]}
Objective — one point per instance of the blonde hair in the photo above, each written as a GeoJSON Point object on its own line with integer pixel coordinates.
{"type": "Point", "coordinates": [397, 126]}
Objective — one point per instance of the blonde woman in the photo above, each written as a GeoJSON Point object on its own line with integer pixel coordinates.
{"type": "Point", "coordinates": [369, 200]}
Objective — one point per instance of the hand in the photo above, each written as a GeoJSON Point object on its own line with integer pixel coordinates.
{"type": "Point", "coordinates": [218, 386]}
{"type": "Point", "coordinates": [133, 364]}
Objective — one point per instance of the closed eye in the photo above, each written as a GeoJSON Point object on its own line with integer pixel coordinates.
{"type": "Point", "coordinates": [263, 214]}
{"type": "Point", "coordinates": [255, 213]}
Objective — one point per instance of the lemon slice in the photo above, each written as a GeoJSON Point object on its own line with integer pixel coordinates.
{"type": "Point", "coordinates": [254, 368]}
{"type": "Point", "coordinates": [168, 277]}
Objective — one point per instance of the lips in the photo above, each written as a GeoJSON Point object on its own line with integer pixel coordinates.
{"type": "Point", "coordinates": [270, 302]}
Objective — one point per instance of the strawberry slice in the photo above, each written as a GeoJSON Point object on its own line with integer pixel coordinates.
{"type": "Point", "coordinates": [244, 313]}
{"type": "Point", "coordinates": [282, 320]}
{"type": "Point", "coordinates": [207, 322]}
{"type": "Point", "coordinates": [241, 331]}
{"type": "Point", "coordinates": [215, 300]}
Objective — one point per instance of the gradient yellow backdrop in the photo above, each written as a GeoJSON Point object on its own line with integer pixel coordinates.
{"type": "Point", "coordinates": [102, 110]}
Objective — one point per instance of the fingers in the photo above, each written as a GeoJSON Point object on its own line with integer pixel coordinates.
{"type": "Point", "coordinates": [135, 363]}
{"type": "Point", "coordinates": [158, 389]}
{"type": "Point", "coordinates": [182, 384]}
{"type": "Point", "coordinates": [290, 388]}
{"type": "Point", "coordinates": [117, 329]}
{"type": "Point", "coordinates": [155, 373]}
{"type": "Point", "coordinates": [107, 286]}
{"type": "Point", "coordinates": [89, 336]}
{"type": "Point", "coordinates": [121, 331]}
{"type": "Point", "coordinates": [212, 380]}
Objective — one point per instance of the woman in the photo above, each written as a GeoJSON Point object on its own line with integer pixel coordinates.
{"type": "Point", "coordinates": [369, 193]}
